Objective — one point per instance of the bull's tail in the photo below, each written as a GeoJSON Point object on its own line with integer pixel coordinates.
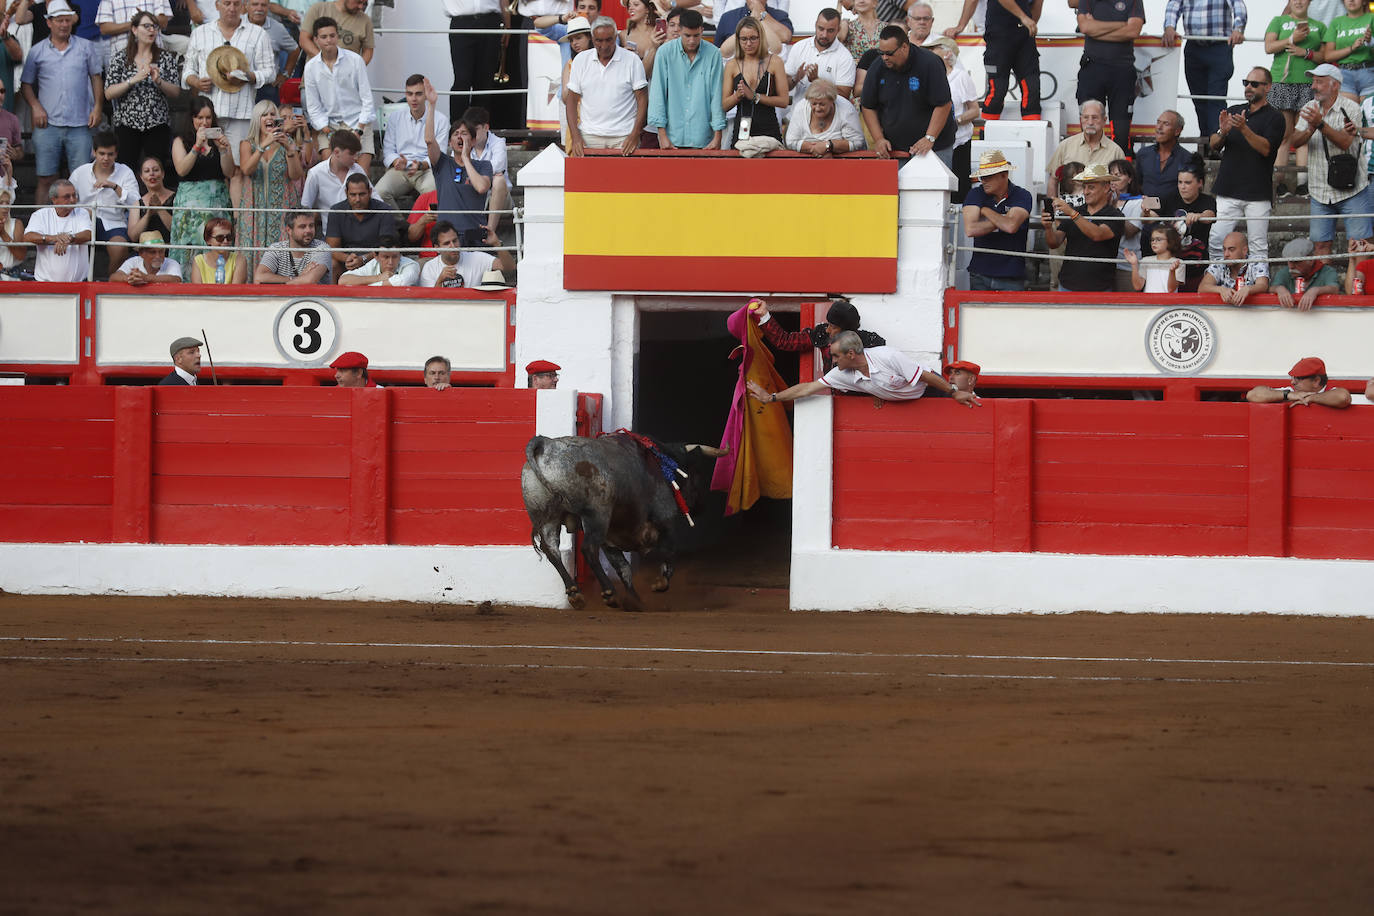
{"type": "Point", "coordinates": [534, 450]}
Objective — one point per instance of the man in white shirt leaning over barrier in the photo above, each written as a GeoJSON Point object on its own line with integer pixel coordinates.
{"type": "Point", "coordinates": [884, 372]}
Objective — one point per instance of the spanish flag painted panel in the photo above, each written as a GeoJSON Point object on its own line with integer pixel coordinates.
{"type": "Point", "coordinates": [730, 225]}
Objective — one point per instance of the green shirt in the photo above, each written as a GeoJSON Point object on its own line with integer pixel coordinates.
{"type": "Point", "coordinates": [1344, 32]}
{"type": "Point", "coordinates": [1289, 65]}
{"type": "Point", "coordinates": [1325, 276]}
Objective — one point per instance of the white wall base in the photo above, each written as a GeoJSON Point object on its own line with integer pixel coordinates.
{"type": "Point", "coordinates": [1042, 583]}
{"type": "Point", "coordinates": [504, 575]}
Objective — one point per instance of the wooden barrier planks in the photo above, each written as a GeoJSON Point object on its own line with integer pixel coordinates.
{"type": "Point", "coordinates": [57, 464]}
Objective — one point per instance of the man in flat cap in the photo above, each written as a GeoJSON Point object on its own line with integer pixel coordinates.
{"type": "Point", "coordinates": [185, 362]}
{"type": "Point", "coordinates": [350, 371]}
{"type": "Point", "coordinates": [542, 374]}
{"type": "Point", "coordinates": [1309, 386]}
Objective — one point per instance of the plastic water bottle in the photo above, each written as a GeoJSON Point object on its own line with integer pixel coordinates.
{"type": "Point", "coordinates": [219, 269]}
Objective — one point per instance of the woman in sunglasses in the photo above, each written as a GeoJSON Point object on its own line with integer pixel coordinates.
{"type": "Point", "coordinates": [222, 264]}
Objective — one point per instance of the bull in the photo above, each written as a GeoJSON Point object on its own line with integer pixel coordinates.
{"type": "Point", "coordinates": [614, 490]}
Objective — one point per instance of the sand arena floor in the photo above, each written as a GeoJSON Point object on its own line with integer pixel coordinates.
{"type": "Point", "coordinates": [716, 755]}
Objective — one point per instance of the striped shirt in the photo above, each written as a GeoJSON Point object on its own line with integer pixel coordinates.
{"type": "Point", "coordinates": [252, 40]}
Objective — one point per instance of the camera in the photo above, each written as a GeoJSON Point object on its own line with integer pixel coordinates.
{"type": "Point", "coordinates": [820, 336]}
{"type": "Point", "coordinates": [1076, 201]}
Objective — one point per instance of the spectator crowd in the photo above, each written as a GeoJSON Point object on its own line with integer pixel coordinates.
{"type": "Point", "coordinates": [232, 141]}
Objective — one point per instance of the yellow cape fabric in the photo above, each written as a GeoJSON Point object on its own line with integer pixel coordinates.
{"type": "Point", "coordinates": [764, 467]}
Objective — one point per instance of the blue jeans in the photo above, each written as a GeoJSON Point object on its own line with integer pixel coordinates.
{"type": "Point", "coordinates": [984, 283]}
{"type": "Point", "coordinates": [1359, 83]}
{"type": "Point", "coordinates": [1356, 227]}
{"type": "Point", "coordinates": [1208, 66]}
{"type": "Point", "coordinates": [50, 142]}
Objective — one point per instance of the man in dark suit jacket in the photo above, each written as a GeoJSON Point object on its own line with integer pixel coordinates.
{"type": "Point", "coordinates": [185, 362]}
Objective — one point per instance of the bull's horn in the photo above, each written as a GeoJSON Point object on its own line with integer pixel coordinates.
{"type": "Point", "coordinates": [710, 451]}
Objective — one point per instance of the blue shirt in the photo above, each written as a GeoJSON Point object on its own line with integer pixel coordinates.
{"type": "Point", "coordinates": [684, 95]}
{"type": "Point", "coordinates": [456, 193]}
{"type": "Point", "coordinates": [86, 26]}
{"type": "Point", "coordinates": [726, 24]}
{"type": "Point", "coordinates": [62, 79]}
{"type": "Point", "coordinates": [998, 252]}
{"type": "Point", "coordinates": [1157, 181]}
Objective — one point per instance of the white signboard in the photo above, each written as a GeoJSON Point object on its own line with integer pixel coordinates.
{"type": "Point", "coordinates": [285, 331]}
{"type": "Point", "coordinates": [1205, 341]}
{"type": "Point", "coordinates": [39, 328]}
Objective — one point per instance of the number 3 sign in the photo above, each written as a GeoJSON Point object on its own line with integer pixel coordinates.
{"type": "Point", "coordinates": [306, 331]}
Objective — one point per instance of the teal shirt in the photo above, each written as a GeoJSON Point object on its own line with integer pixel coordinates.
{"type": "Point", "coordinates": [1325, 276]}
{"type": "Point", "coordinates": [684, 95]}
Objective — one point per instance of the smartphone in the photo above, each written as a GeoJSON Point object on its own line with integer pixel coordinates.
{"type": "Point", "coordinates": [433, 207]}
{"type": "Point", "coordinates": [1149, 203]}
{"type": "Point", "coordinates": [296, 110]}
{"type": "Point", "coordinates": [214, 133]}
{"type": "Point", "coordinates": [661, 26]}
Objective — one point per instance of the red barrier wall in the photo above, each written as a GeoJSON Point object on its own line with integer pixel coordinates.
{"type": "Point", "coordinates": [1154, 478]}
{"type": "Point", "coordinates": [264, 466]}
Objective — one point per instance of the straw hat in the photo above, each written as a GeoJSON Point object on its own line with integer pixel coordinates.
{"type": "Point", "coordinates": [224, 60]}
{"type": "Point", "coordinates": [576, 24]}
{"type": "Point", "coordinates": [991, 162]}
{"type": "Point", "coordinates": [1095, 172]}
{"type": "Point", "coordinates": [493, 280]}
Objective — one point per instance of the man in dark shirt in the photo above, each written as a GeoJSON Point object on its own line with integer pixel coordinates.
{"type": "Point", "coordinates": [996, 214]}
{"type": "Point", "coordinates": [906, 103]}
{"type": "Point", "coordinates": [359, 221]}
{"type": "Point", "coordinates": [1091, 233]}
{"type": "Point", "coordinates": [1159, 162]}
{"type": "Point", "coordinates": [1009, 38]}
{"type": "Point", "coordinates": [462, 182]}
{"type": "Point", "coordinates": [1248, 137]}
{"type": "Point", "coordinates": [1107, 69]}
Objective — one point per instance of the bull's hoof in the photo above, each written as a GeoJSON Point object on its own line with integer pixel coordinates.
{"type": "Point", "coordinates": [608, 598]}
{"type": "Point", "coordinates": [660, 584]}
{"type": "Point", "coordinates": [575, 600]}
{"type": "Point", "coordinates": [632, 602]}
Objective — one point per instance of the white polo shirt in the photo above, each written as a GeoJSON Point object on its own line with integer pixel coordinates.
{"type": "Point", "coordinates": [608, 107]}
{"type": "Point", "coordinates": [892, 376]}
{"type": "Point", "coordinates": [835, 63]}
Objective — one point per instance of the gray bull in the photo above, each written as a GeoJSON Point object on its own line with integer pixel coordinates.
{"type": "Point", "coordinates": [611, 488]}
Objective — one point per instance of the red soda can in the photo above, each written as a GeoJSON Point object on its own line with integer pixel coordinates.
{"type": "Point", "coordinates": [1299, 285]}
{"type": "Point", "coordinates": [1357, 285]}
{"type": "Point", "coordinates": [1240, 282]}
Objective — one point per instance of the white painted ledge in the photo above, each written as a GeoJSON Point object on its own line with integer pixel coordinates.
{"type": "Point", "coordinates": [1045, 583]}
{"type": "Point", "coordinates": [464, 575]}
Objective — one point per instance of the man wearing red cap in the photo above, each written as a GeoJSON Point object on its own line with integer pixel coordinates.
{"type": "Point", "coordinates": [350, 371]}
{"type": "Point", "coordinates": [542, 374]}
{"type": "Point", "coordinates": [1309, 387]}
{"type": "Point", "coordinates": [963, 375]}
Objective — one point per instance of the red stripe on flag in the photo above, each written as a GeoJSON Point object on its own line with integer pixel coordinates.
{"type": "Point", "coordinates": [652, 175]}
{"type": "Point", "coordinates": [712, 274]}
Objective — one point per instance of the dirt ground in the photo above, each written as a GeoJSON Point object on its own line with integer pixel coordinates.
{"type": "Point", "coordinates": [717, 755]}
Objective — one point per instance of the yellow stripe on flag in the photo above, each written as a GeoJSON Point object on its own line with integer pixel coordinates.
{"type": "Point", "coordinates": [712, 225]}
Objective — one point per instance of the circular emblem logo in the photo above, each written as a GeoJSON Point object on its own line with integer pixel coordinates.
{"type": "Point", "coordinates": [1181, 341]}
{"type": "Point", "coordinates": [1120, 6]}
{"type": "Point", "coordinates": [306, 331]}
{"type": "Point", "coordinates": [914, 83]}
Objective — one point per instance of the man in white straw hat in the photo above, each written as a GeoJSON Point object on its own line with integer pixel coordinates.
{"type": "Point", "coordinates": [996, 217]}
{"type": "Point", "coordinates": [1092, 231]}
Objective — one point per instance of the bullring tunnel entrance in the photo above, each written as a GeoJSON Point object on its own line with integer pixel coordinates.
{"type": "Point", "coordinates": [684, 382]}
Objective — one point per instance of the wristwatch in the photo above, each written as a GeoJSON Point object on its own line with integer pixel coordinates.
{"type": "Point", "coordinates": [931, 139]}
